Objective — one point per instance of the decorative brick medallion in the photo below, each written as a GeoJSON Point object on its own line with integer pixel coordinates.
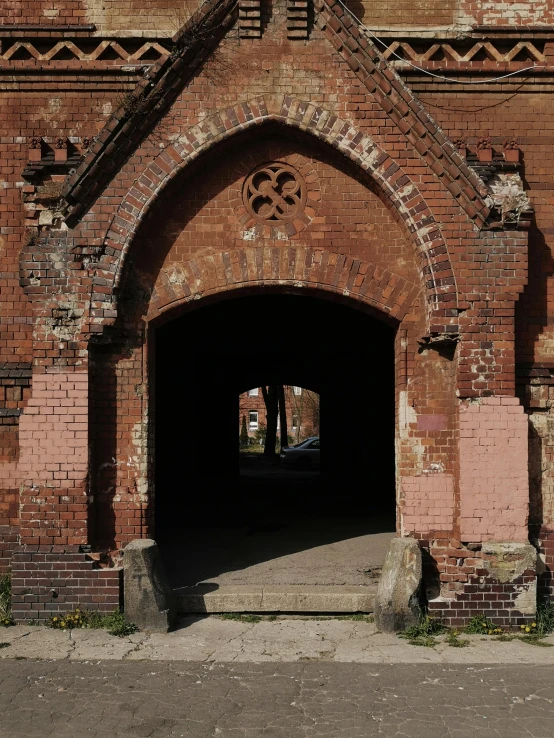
{"type": "Point", "coordinates": [274, 193]}
{"type": "Point", "coordinates": [276, 198]}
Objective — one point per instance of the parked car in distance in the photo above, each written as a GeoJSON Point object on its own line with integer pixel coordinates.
{"type": "Point", "coordinates": [304, 455]}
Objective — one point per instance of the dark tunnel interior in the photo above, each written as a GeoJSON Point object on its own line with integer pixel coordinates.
{"type": "Point", "coordinates": [206, 357]}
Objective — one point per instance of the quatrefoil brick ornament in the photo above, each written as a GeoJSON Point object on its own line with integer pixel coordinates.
{"type": "Point", "coordinates": [274, 194]}
{"type": "Point", "coordinates": [277, 197]}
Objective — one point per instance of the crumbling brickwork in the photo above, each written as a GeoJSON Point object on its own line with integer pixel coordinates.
{"type": "Point", "coordinates": [277, 147]}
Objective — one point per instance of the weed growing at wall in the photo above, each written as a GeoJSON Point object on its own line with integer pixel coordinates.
{"type": "Point", "coordinates": [114, 622]}
{"type": "Point", "coordinates": [545, 617]}
{"type": "Point", "coordinates": [242, 617]}
{"type": "Point", "coordinates": [534, 633]}
{"type": "Point", "coordinates": [68, 620]}
{"type": "Point", "coordinates": [481, 625]}
{"type": "Point", "coordinates": [424, 634]}
{"type": "Point", "coordinates": [5, 601]}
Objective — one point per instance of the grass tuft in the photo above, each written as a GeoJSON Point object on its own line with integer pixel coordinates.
{"type": "Point", "coordinates": [6, 601]}
{"type": "Point", "coordinates": [481, 625]}
{"type": "Point", "coordinates": [545, 616]}
{"type": "Point", "coordinates": [113, 622]}
{"type": "Point", "coordinates": [505, 637]}
{"type": "Point", "coordinates": [357, 617]}
{"type": "Point", "coordinates": [241, 617]}
{"type": "Point", "coordinates": [535, 639]}
{"type": "Point", "coordinates": [453, 639]}
{"type": "Point", "coordinates": [424, 633]}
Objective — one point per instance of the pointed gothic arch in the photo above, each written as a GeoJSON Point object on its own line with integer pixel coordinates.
{"type": "Point", "coordinates": [435, 265]}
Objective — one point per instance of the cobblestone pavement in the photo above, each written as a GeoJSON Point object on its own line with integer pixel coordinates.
{"type": "Point", "coordinates": [280, 700]}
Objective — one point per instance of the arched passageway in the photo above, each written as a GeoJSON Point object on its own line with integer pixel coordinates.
{"type": "Point", "coordinates": [214, 521]}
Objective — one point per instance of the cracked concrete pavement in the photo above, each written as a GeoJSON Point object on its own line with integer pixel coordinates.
{"type": "Point", "coordinates": [285, 678]}
{"type": "Point", "coordinates": [285, 639]}
{"type": "Point", "coordinates": [285, 700]}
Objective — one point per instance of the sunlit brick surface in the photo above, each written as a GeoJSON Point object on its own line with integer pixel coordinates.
{"type": "Point", "coordinates": [121, 210]}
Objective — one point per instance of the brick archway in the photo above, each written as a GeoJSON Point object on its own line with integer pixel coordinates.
{"type": "Point", "coordinates": [293, 267]}
{"type": "Point", "coordinates": [436, 269]}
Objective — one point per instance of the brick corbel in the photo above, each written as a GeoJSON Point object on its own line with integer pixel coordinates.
{"type": "Point", "coordinates": [298, 18]}
{"type": "Point", "coordinates": [250, 19]}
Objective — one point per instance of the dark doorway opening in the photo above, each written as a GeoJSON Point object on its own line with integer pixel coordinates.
{"type": "Point", "coordinates": [214, 522]}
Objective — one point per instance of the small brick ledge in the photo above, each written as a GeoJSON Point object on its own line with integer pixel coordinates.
{"type": "Point", "coordinates": [486, 596]}
{"type": "Point", "coordinates": [460, 582]}
{"type": "Point", "coordinates": [46, 581]}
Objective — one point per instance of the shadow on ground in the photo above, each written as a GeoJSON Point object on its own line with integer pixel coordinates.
{"type": "Point", "coordinates": [283, 527]}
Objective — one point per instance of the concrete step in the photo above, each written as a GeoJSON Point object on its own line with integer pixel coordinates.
{"type": "Point", "coordinates": [297, 598]}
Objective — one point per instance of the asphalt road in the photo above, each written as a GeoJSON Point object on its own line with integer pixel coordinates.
{"type": "Point", "coordinates": [285, 700]}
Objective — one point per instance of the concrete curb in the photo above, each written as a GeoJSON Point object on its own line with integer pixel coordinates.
{"type": "Point", "coordinates": [206, 598]}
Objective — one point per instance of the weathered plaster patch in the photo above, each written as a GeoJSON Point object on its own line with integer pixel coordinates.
{"type": "Point", "coordinates": [526, 600]}
{"type": "Point", "coordinates": [139, 436]}
{"type": "Point", "coordinates": [507, 561]}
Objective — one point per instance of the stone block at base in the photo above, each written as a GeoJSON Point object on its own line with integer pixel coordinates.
{"type": "Point", "coordinates": [148, 598]}
{"type": "Point", "coordinates": [397, 603]}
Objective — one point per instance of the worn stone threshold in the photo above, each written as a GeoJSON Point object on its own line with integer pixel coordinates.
{"type": "Point", "coordinates": [295, 598]}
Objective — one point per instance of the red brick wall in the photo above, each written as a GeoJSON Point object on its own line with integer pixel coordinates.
{"type": "Point", "coordinates": [506, 112]}
{"type": "Point", "coordinates": [545, 568]}
{"type": "Point", "coordinates": [505, 13]}
{"type": "Point", "coordinates": [167, 15]}
{"type": "Point", "coordinates": [118, 407]}
{"type": "Point", "coordinates": [9, 534]}
{"type": "Point", "coordinates": [519, 111]}
{"type": "Point", "coordinates": [429, 502]}
{"type": "Point", "coordinates": [51, 580]}
{"type": "Point", "coordinates": [107, 16]}
{"type": "Point", "coordinates": [493, 470]}
{"type": "Point", "coordinates": [54, 461]}
{"type": "Point", "coordinates": [391, 228]}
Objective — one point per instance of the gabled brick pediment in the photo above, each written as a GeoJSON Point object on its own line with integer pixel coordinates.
{"type": "Point", "coordinates": [147, 104]}
{"type": "Point", "coordinates": [154, 95]}
{"type": "Point", "coordinates": [402, 106]}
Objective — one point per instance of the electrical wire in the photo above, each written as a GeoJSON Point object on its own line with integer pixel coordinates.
{"type": "Point", "coordinates": [432, 74]}
{"type": "Point", "coordinates": [483, 107]}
